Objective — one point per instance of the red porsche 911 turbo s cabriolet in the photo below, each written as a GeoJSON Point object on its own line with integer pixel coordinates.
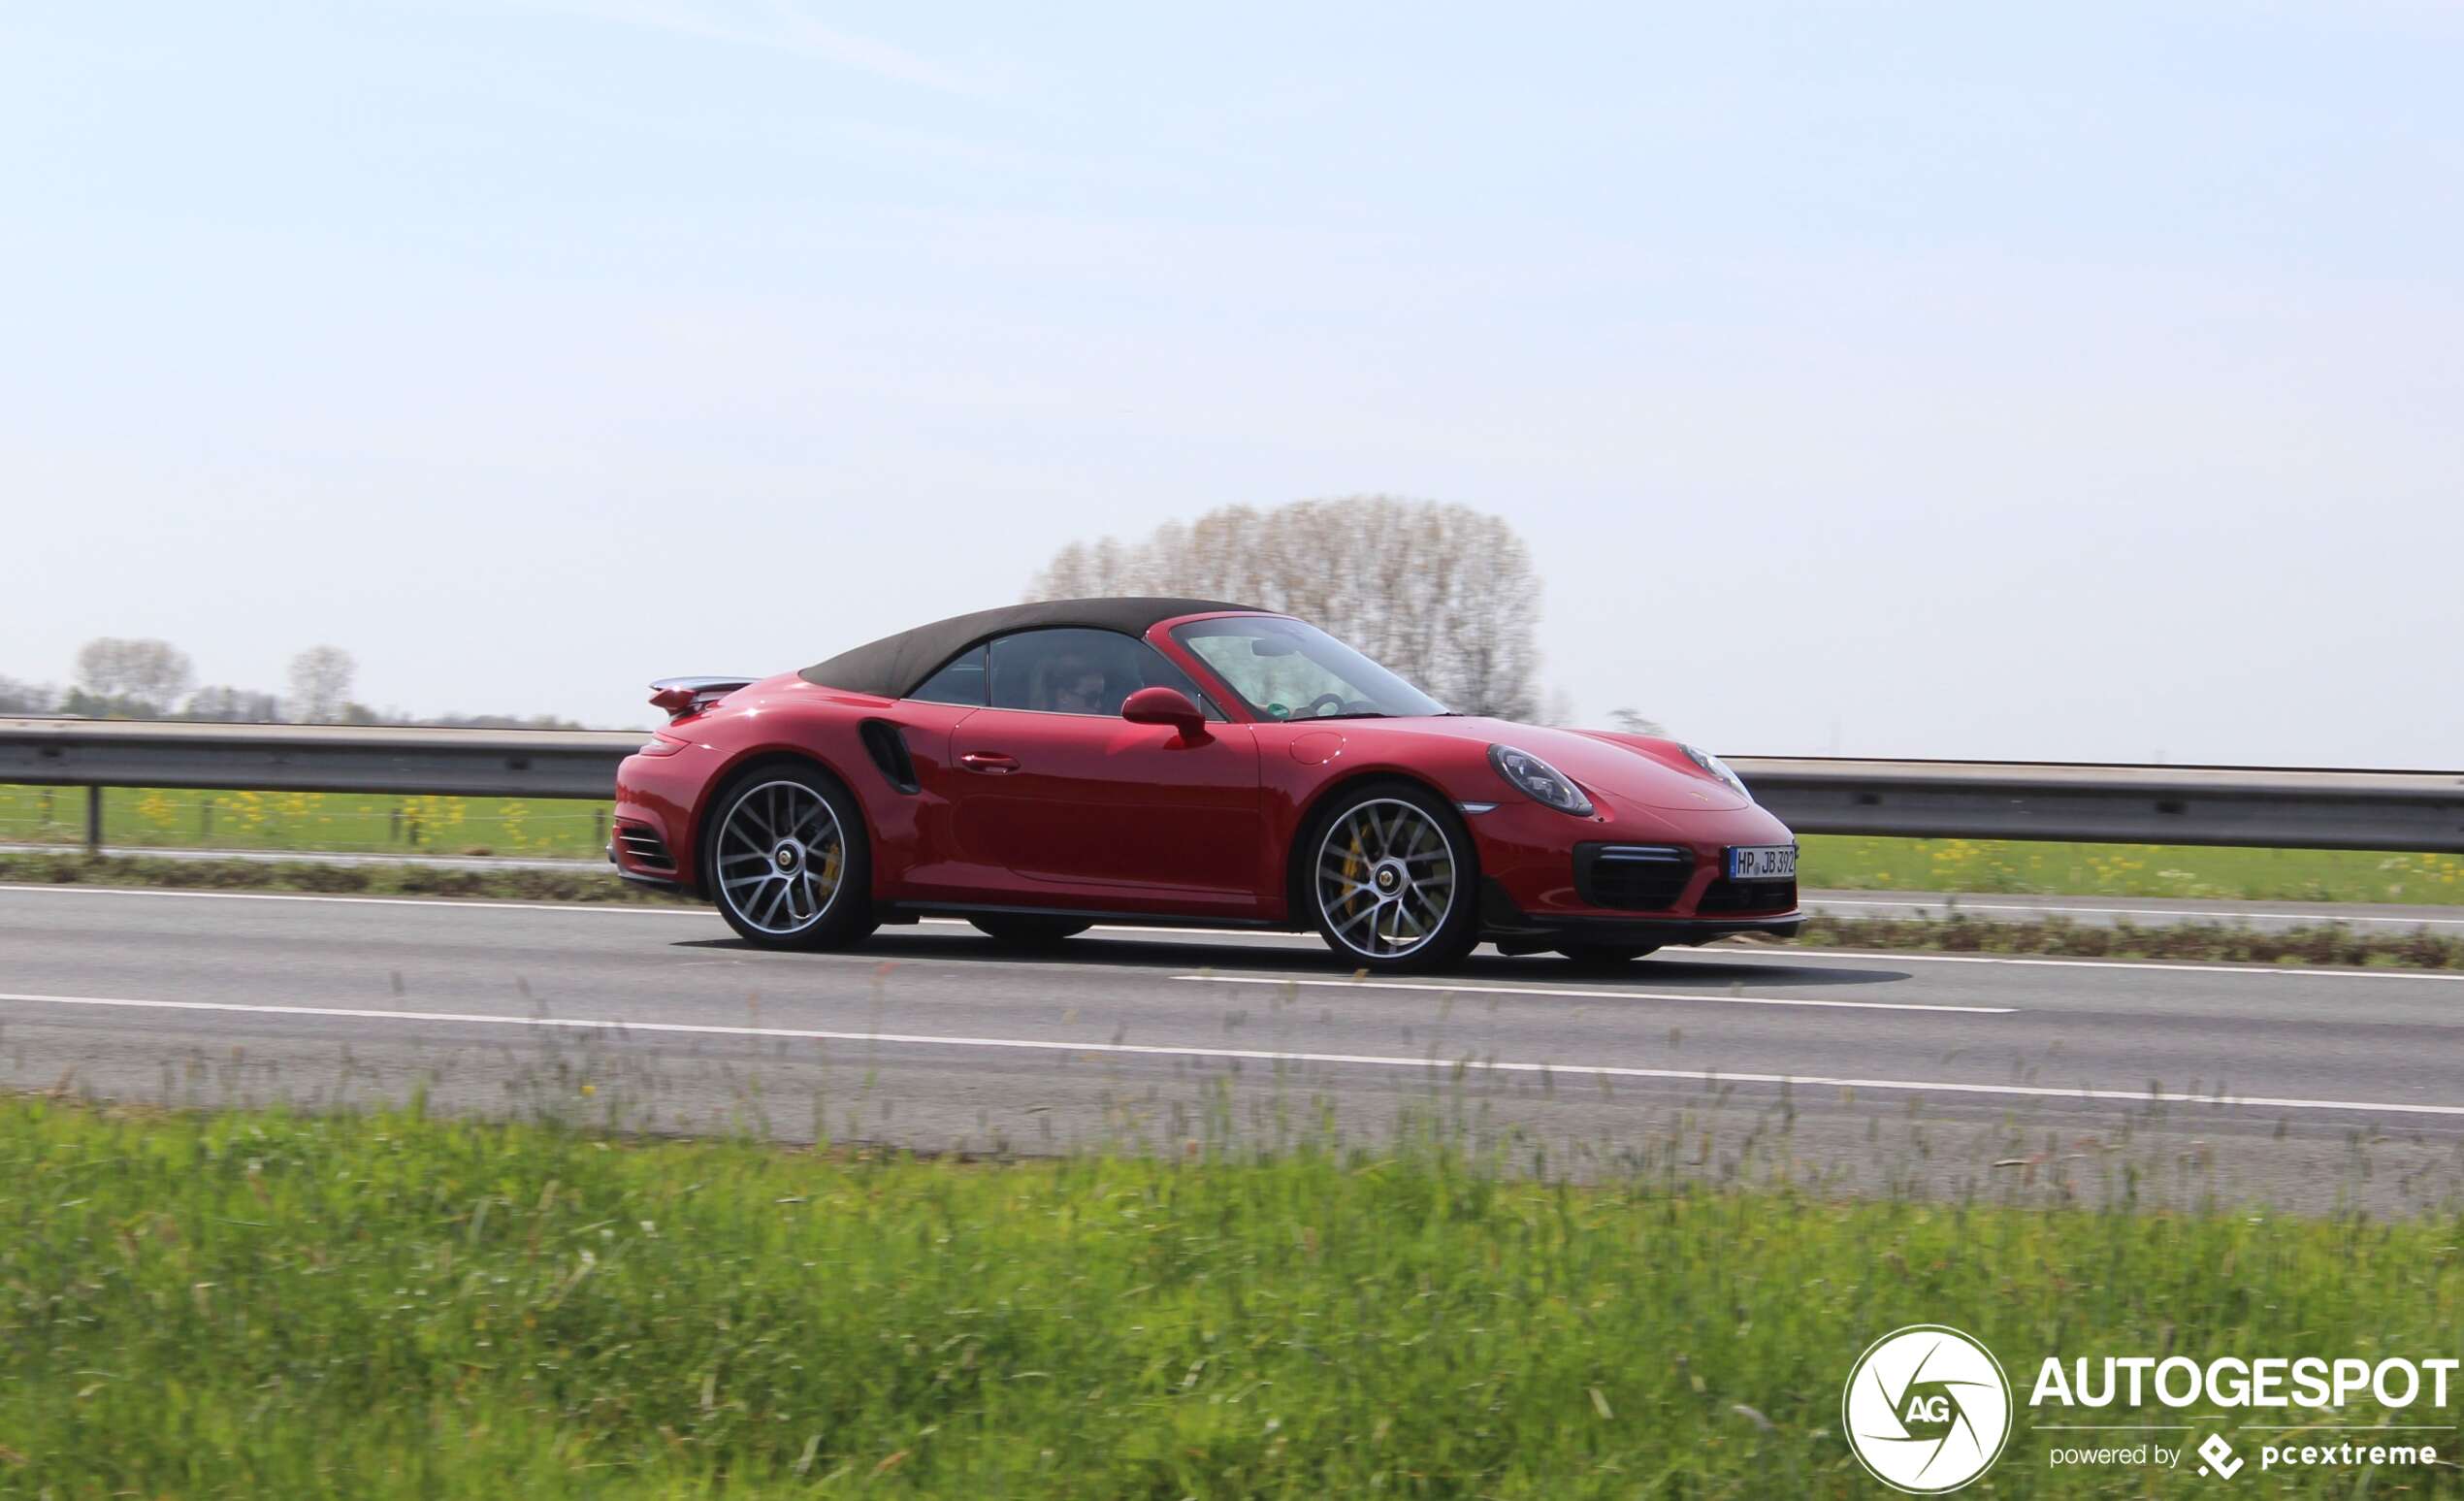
{"type": "Point", "coordinates": [1044, 768]}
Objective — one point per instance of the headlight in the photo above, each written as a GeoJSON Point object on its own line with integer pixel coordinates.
{"type": "Point", "coordinates": [1719, 768]}
{"type": "Point", "coordinates": [1540, 781]}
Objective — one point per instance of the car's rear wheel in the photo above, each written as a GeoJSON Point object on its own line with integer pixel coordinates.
{"type": "Point", "coordinates": [1605, 955]}
{"type": "Point", "coordinates": [1023, 931]}
{"type": "Point", "coordinates": [786, 861]}
{"type": "Point", "coordinates": [1393, 879]}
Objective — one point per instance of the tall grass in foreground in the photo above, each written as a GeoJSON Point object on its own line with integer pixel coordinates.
{"type": "Point", "coordinates": [260, 1305]}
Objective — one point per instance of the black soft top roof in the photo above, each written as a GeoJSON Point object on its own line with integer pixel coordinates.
{"type": "Point", "coordinates": [895, 666]}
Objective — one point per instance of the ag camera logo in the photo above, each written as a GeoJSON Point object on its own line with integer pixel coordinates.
{"type": "Point", "coordinates": [1926, 1410]}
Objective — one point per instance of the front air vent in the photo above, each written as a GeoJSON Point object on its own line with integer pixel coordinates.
{"type": "Point", "coordinates": [644, 847]}
{"type": "Point", "coordinates": [1631, 877]}
{"type": "Point", "coordinates": [887, 747]}
{"type": "Point", "coordinates": [1727, 896]}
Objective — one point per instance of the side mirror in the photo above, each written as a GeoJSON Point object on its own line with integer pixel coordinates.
{"type": "Point", "coordinates": [1165, 706]}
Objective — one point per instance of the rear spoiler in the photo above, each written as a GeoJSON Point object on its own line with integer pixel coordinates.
{"type": "Point", "coordinates": [683, 695]}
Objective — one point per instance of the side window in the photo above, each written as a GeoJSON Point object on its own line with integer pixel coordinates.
{"type": "Point", "coordinates": [961, 680]}
{"type": "Point", "coordinates": [1069, 670]}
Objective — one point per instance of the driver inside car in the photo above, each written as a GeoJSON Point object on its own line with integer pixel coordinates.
{"type": "Point", "coordinates": [1079, 687]}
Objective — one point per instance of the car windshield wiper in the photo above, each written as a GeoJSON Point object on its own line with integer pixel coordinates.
{"type": "Point", "coordinates": [1359, 714]}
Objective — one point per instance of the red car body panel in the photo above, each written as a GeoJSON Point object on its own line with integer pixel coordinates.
{"type": "Point", "coordinates": [1029, 810]}
{"type": "Point", "coordinates": [1102, 807]}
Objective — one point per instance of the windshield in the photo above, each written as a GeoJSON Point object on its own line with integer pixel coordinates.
{"type": "Point", "coordinates": [1285, 669]}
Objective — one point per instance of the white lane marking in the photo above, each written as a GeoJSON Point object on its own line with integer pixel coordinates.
{"type": "Point", "coordinates": [2290, 971]}
{"type": "Point", "coordinates": [1590, 994]}
{"type": "Point", "coordinates": [2311, 916]}
{"type": "Point", "coordinates": [1246, 1054]}
{"type": "Point", "coordinates": [2297, 972]}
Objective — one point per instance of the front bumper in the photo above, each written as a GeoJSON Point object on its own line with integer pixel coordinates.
{"type": "Point", "coordinates": [1535, 888]}
{"type": "Point", "coordinates": [1517, 932]}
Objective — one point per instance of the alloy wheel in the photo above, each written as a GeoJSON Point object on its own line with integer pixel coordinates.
{"type": "Point", "coordinates": [780, 855]}
{"type": "Point", "coordinates": [1386, 878]}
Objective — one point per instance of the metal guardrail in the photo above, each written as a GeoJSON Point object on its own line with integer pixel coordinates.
{"type": "Point", "coordinates": [2235, 805]}
{"type": "Point", "coordinates": [98, 754]}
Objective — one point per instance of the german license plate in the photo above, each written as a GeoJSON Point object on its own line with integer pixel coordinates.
{"type": "Point", "coordinates": [1763, 863]}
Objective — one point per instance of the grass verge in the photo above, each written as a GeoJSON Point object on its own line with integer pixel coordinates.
{"type": "Point", "coordinates": [355, 823]}
{"type": "Point", "coordinates": [253, 1304]}
{"type": "Point", "coordinates": [2196, 873]}
{"type": "Point", "coordinates": [509, 884]}
{"type": "Point", "coordinates": [2329, 945]}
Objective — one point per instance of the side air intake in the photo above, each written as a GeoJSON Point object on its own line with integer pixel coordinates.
{"type": "Point", "coordinates": [887, 747]}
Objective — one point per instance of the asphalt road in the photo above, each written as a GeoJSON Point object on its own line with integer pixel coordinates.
{"type": "Point", "coordinates": [2022, 1079]}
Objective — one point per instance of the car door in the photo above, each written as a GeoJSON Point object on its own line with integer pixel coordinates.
{"type": "Point", "coordinates": [1081, 806]}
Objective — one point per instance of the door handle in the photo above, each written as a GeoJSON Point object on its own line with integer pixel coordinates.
{"type": "Point", "coordinates": [989, 761]}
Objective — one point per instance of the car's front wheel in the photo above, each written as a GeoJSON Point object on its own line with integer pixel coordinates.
{"type": "Point", "coordinates": [1393, 879]}
{"type": "Point", "coordinates": [788, 863]}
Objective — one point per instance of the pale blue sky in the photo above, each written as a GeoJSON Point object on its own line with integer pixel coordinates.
{"type": "Point", "coordinates": [2067, 381]}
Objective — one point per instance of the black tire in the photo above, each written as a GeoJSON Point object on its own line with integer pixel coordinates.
{"type": "Point", "coordinates": [1604, 955]}
{"type": "Point", "coordinates": [1030, 931]}
{"type": "Point", "coordinates": [1412, 930]}
{"type": "Point", "coordinates": [776, 905]}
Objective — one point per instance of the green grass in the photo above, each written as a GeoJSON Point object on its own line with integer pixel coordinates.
{"type": "Point", "coordinates": [2320, 944]}
{"type": "Point", "coordinates": [1847, 861]}
{"type": "Point", "coordinates": [513, 883]}
{"type": "Point", "coordinates": [261, 1305]}
{"type": "Point", "coordinates": [357, 823]}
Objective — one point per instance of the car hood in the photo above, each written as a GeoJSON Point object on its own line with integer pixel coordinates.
{"type": "Point", "coordinates": [1604, 766]}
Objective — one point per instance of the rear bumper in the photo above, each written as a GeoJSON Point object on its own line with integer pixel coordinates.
{"type": "Point", "coordinates": [652, 831]}
{"type": "Point", "coordinates": [1515, 929]}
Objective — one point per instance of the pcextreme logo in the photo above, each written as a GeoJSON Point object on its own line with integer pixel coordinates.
{"type": "Point", "coordinates": [1926, 1410]}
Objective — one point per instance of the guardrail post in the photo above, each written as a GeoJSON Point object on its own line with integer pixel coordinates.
{"type": "Point", "coordinates": [93, 820]}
